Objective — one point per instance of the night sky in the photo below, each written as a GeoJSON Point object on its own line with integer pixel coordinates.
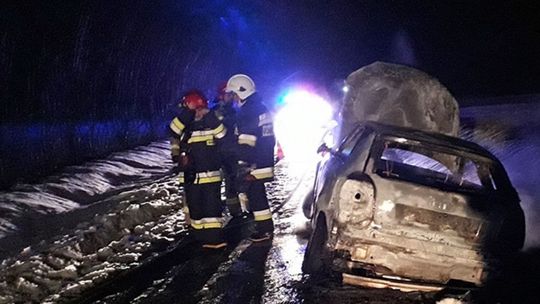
{"type": "Point", "coordinates": [78, 59]}
{"type": "Point", "coordinates": [80, 79]}
{"type": "Point", "coordinates": [475, 49]}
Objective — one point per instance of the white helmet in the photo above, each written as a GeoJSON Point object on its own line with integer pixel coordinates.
{"type": "Point", "coordinates": [242, 85]}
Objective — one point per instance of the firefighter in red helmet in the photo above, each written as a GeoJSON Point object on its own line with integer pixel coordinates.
{"type": "Point", "coordinates": [196, 132]}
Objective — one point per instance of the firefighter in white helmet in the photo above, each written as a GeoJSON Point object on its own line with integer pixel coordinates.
{"type": "Point", "coordinates": [255, 138]}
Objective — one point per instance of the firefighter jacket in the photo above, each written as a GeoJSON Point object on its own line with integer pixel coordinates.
{"type": "Point", "coordinates": [227, 114]}
{"type": "Point", "coordinates": [199, 140]}
{"type": "Point", "coordinates": [255, 135]}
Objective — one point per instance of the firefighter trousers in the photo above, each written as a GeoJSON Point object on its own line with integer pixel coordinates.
{"type": "Point", "coordinates": [231, 192]}
{"type": "Point", "coordinates": [258, 204]}
{"type": "Point", "coordinates": [205, 211]}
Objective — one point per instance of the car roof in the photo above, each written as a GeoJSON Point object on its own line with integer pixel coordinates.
{"type": "Point", "coordinates": [429, 137]}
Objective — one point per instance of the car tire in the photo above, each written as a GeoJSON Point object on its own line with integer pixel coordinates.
{"type": "Point", "coordinates": [307, 205]}
{"type": "Point", "coordinates": [511, 236]}
{"type": "Point", "coordinates": [316, 255]}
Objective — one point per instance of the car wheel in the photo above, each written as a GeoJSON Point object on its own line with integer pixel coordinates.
{"type": "Point", "coordinates": [316, 256]}
{"type": "Point", "coordinates": [512, 233]}
{"type": "Point", "coordinates": [307, 205]}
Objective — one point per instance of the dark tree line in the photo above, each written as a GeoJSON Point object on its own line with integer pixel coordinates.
{"type": "Point", "coordinates": [79, 79]}
{"type": "Point", "coordinates": [101, 60]}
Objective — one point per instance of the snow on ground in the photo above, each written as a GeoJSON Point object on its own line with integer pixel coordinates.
{"type": "Point", "coordinates": [81, 185]}
{"type": "Point", "coordinates": [128, 227]}
{"type": "Point", "coordinates": [97, 249]}
{"type": "Point", "coordinates": [123, 217]}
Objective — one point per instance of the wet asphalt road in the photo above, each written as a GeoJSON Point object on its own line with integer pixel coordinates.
{"type": "Point", "coordinates": [270, 272]}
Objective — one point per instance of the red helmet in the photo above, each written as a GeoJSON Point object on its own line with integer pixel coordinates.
{"type": "Point", "coordinates": [195, 99]}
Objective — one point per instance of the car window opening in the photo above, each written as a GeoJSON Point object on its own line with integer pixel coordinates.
{"type": "Point", "coordinates": [431, 166]}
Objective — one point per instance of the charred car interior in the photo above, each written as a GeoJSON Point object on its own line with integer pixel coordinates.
{"type": "Point", "coordinates": [402, 208]}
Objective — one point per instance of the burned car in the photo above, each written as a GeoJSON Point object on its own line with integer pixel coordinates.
{"type": "Point", "coordinates": [397, 207]}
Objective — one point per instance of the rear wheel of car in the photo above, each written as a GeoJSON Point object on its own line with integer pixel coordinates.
{"type": "Point", "coordinates": [512, 233]}
{"type": "Point", "coordinates": [316, 256]}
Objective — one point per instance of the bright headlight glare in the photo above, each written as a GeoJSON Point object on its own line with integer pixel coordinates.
{"type": "Point", "coordinates": [301, 123]}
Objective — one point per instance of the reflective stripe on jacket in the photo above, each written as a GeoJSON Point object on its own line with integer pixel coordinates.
{"type": "Point", "coordinates": [207, 223]}
{"type": "Point", "coordinates": [203, 177]}
{"type": "Point", "coordinates": [255, 135]}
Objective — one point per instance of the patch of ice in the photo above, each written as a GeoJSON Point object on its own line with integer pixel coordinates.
{"type": "Point", "coordinates": [55, 262]}
{"type": "Point", "coordinates": [125, 258]}
{"type": "Point", "coordinates": [76, 288]}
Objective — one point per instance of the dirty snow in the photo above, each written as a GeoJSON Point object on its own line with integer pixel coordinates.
{"type": "Point", "coordinates": [134, 225]}
{"type": "Point", "coordinates": [97, 249]}
{"type": "Point", "coordinates": [139, 216]}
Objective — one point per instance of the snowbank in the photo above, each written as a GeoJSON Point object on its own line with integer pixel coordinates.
{"type": "Point", "coordinates": [81, 185]}
{"type": "Point", "coordinates": [97, 249]}
{"type": "Point", "coordinates": [33, 150]}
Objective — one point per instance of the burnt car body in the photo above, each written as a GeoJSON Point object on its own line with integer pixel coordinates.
{"type": "Point", "coordinates": [401, 205]}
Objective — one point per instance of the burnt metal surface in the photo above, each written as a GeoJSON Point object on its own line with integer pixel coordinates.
{"type": "Point", "coordinates": [417, 231]}
{"type": "Point", "coordinates": [466, 228]}
{"type": "Point", "coordinates": [398, 95]}
{"type": "Point", "coordinates": [427, 137]}
{"type": "Point", "coordinates": [381, 283]}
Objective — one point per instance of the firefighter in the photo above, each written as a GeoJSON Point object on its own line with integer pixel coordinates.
{"type": "Point", "coordinates": [255, 148]}
{"type": "Point", "coordinates": [196, 132]}
{"type": "Point", "coordinates": [226, 112]}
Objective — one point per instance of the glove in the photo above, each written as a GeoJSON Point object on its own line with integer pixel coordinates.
{"type": "Point", "coordinates": [184, 160]}
{"type": "Point", "coordinates": [243, 168]}
{"type": "Point", "coordinates": [243, 176]}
